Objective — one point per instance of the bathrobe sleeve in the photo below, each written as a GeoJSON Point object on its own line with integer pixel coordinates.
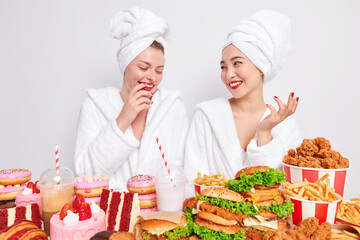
{"type": "Point", "coordinates": [196, 153]}
{"type": "Point", "coordinates": [100, 148]}
{"type": "Point", "coordinates": [180, 130]}
{"type": "Point", "coordinates": [285, 136]}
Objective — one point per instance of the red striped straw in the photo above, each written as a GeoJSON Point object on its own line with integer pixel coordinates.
{"type": "Point", "coordinates": [165, 161]}
{"type": "Point", "coordinates": [57, 164]}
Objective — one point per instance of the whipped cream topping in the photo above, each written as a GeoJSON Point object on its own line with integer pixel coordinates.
{"type": "Point", "coordinates": [71, 218]}
{"type": "Point", "coordinates": [27, 191]}
{"type": "Point", "coordinates": [95, 209]}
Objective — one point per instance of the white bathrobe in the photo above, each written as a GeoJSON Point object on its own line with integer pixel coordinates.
{"type": "Point", "coordinates": [101, 147]}
{"type": "Point", "coordinates": [213, 146]}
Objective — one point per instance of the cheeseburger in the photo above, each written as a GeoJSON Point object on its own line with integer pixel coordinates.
{"type": "Point", "coordinates": [259, 186]}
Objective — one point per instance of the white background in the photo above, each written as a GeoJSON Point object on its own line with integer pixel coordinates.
{"type": "Point", "coordinates": [51, 52]}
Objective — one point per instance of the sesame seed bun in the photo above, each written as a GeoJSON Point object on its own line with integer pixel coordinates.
{"type": "Point", "coordinates": [157, 225]}
{"type": "Point", "coordinates": [251, 170]}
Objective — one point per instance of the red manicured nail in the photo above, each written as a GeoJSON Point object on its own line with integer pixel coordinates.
{"type": "Point", "coordinates": [292, 94]}
{"type": "Point", "coordinates": [297, 99]}
{"type": "Point", "coordinates": [152, 102]}
{"type": "Point", "coordinates": [152, 93]}
{"type": "Point", "coordinates": [275, 97]}
{"type": "Point", "coordinates": [267, 105]}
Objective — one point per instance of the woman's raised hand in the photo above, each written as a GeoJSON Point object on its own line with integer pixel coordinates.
{"type": "Point", "coordinates": [136, 101]}
{"type": "Point", "coordinates": [276, 117]}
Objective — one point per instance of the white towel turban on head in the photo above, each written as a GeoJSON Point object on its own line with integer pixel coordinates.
{"type": "Point", "coordinates": [265, 38]}
{"type": "Point", "coordinates": [137, 29]}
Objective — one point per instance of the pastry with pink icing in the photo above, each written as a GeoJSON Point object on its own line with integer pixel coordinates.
{"type": "Point", "coordinates": [30, 194]}
{"type": "Point", "coordinates": [9, 192]}
{"type": "Point", "coordinates": [141, 184]}
{"type": "Point", "coordinates": [72, 227]}
{"type": "Point", "coordinates": [14, 176]}
{"type": "Point", "coordinates": [12, 182]}
{"type": "Point", "coordinates": [146, 210]}
{"type": "Point", "coordinates": [91, 187]}
{"type": "Point", "coordinates": [147, 200]}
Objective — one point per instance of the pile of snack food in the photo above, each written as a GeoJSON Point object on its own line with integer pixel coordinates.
{"type": "Point", "coordinates": [316, 153]}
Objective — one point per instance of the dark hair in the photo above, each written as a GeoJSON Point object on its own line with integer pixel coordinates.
{"type": "Point", "coordinates": [157, 45]}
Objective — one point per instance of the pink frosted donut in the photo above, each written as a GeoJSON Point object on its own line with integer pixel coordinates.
{"type": "Point", "coordinates": [147, 200]}
{"type": "Point", "coordinates": [14, 176]}
{"type": "Point", "coordinates": [141, 184]}
{"type": "Point", "coordinates": [90, 186]}
{"type": "Point", "coordinates": [146, 210]}
{"type": "Point", "coordinates": [9, 192]}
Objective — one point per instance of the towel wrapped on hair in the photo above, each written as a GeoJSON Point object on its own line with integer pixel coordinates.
{"type": "Point", "coordinates": [137, 29]}
{"type": "Point", "coordinates": [265, 38]}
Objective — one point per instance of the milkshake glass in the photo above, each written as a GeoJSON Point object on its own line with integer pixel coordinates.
{"type": "Point", "coordinates": [55, 195]}
{"type": "Point", "coordinates": [170, 195]}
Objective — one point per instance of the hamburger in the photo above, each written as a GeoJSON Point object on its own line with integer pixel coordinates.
{"type": "Point", "coordinates": [214, 218]}
{"type": "Point", "coordinates": [264, 202]}
{"type": "Point", "coordinates": [159, 229]}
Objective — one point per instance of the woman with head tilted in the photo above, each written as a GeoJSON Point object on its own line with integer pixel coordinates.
{"type": "Point", "coordinates": [117, 128]}
{"type": "Point", "coordinates": [229, 134]}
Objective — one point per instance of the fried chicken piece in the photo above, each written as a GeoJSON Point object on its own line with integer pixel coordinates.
{"type": "Point", "coordinates": [310, 162]}
{"type": "Point", "coordinates": [277, 235]}
{"type": "Point", "coordinates": [343, 163]}
{"type": "Point", "coordinates": [329, 163]}
{"type": "Point", "coordinates": [296, 235]}
{"type": "Point", "coordinates": [291, 160]}
{"type": "Point", "coordinates": [308, 226]}
{"type": "Point", "coordinates": [252, 234]}
{"type": "Point", "coordinates": [292, 153]}
{"type": "Point", "coordinates": [207, 207]}
{"type": "Point", "coordinates": [307, 148]}
{"type": "Point", "coordinates": [322, 143]}
{"type": "Point", "coordinates": [322, 232]}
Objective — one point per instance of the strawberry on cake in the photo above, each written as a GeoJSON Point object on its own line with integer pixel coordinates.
{"type": "Point", "coordinates": [81, 221]}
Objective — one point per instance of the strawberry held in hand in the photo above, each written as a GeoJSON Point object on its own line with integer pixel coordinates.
{"type": "Point", "coordinates": [79, 199]}
{"type": "Point", "coordinates": [84, 211]}
{"type": "Point", "coordinates": [63, 212]}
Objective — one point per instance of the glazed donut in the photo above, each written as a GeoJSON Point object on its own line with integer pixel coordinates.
{"type": "Point", "coordinates": [146, 210]}
{"type": "Point", "coordinates": [91, 187]}
{"type": "Point", "coordinates": [14, 176]}
{"type": "Point", "coordinates": [147, 200]}
{"type": "Point", "coordinates": [9, 192]}
{"type": "Point", "coordinates": [141, 184]}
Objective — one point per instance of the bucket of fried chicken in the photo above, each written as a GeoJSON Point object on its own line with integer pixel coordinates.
{"type": "Point", "coordinates": [314, 159]}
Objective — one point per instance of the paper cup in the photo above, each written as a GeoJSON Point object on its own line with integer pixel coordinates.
{"type": "Point", "coordinates": [295, 174]}
{"type": "Point", "coordinates": [199, 188]}
{"type": "Point", "coordinates": [324, 211]}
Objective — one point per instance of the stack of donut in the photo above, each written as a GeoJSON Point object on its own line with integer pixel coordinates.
{"type": "Point", "coordinates": [12, 182]}
{"type": "Point", "coordinates": [144, 185]}
{"type": "Point", "coordinates": [91, 187]}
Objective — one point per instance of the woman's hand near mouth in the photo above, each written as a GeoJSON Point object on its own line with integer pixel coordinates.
{"type": "Point", "coordinates": [137, 100]}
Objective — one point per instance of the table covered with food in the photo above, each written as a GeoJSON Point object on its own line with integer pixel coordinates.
{"type": "Point", "coordinates": [303, 200]}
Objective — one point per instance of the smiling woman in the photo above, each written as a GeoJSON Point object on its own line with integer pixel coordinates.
{"type": "Point", "coordinates": [230, 134]}
{"type": "Point", "coordinates": [117, 128]}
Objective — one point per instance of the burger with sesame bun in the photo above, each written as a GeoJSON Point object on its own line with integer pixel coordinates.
{"type": "Point", "coordinates": [259, 186]}
{"type": "Point", "coordinates": [159, 229]}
